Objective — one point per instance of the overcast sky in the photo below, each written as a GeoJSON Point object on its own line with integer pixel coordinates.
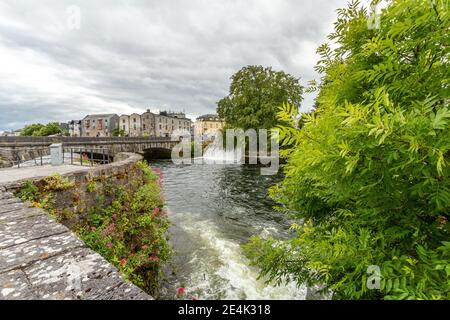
{"type": "Point", "coordinates": [127, 56]}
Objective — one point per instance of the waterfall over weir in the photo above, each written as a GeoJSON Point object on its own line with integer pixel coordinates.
{"type": "Point", "coordinates": [216, 154]}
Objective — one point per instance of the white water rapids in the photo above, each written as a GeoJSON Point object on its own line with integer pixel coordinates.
{"type": "Point", "coordinates": [214, 209]}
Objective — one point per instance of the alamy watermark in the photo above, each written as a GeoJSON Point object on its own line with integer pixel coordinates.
{"type": "Point", "coordinates": [73, 20]}
{"type": "Point", "coordinates": [236, 146]}
{"type": "Point", "coordinates": [374, 280]}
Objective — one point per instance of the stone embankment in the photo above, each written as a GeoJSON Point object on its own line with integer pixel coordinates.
{"type": "Point", "coordinates": [42, 259]}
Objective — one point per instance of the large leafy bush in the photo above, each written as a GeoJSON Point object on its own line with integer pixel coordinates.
{"type": "Point", "coordinates": [367, 175]}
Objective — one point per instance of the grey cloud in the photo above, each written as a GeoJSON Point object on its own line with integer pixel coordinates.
{"type": "Point", "coordinates": [130, 55]}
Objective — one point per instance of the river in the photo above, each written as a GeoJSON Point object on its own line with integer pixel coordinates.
{"type": "Point", "coordinates": [213, 209]}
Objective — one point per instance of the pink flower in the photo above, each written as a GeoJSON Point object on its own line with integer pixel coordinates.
{"type": "Point", "coordinates": [194, 298]}
{"type": "Point", "coordinates": [109, 244]}
{"type": "Point", "coordinates": [155, 212]}
{"type": "Point", "coordinates": [123, 262]}
{"type": "Point", "coordinates": [181, 291]}
{"type": "Point", "coordinates": [114, 217]}
{"type": "Point", "coordinates": [109, 229]}
{"type": "Point", "coordinates": [153, 259]}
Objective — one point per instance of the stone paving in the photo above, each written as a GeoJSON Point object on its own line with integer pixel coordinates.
{"type": "Point", "coordinates": [42, 259]}
{"type": "Point", "coordinates": [10, 175]}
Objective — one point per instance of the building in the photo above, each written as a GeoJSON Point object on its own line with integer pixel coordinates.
{"type": "Point", "coordinates": [162, 128]}
{"type": "Point", "coordinates": [148, 124]}
{"type": "Point", "coordinates": [208, 125]}
{"type": "Point", "coordinates": [99, 125]}
{"type": "Point", "coordinates": [124, 124]}
{"type": "Point", "coordinates": [166, 123]}
{"type": "Point", "coordinates": [179, 122]}
{"type": "Point", "coordinates": [64, 127]}
{"type": "Point", "coordinates": [75, 128]}
{"type": "Point", "coordinates": [5, 133]}
{"type": "Point", "coordinates": [135, 125]}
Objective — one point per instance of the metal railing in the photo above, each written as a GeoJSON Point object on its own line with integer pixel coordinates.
{"type": "Point", "coordinates": [37, 156]}
{"type": "Point", "coordinates": [86, 156]}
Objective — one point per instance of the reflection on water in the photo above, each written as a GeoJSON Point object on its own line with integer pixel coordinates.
{"type": "Point", "coordinates": [214, 208]}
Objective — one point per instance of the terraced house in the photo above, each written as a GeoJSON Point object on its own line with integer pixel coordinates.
{"type": "Point", "coordinates": [161, 124]}
{"type": "Point", "coordinates": [99, 125]}
{"type": "Point", "coordinates": [208, 125]}
{"type": "Point", "coordinates": [75, 128]}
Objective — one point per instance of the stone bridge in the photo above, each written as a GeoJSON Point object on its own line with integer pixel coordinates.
{"type": "Point", "coordinates": [13, 149]}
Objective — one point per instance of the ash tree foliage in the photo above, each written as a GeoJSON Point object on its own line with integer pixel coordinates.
{"type": "Point", "coordinates": [255, 95]}
{"type": "Point", "coordinates": [367, 177]}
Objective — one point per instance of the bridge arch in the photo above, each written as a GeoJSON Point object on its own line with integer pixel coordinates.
{"type": "Point", "coordinates": [157, 153]}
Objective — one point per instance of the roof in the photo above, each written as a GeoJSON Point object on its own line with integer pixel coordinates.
{"type": "Point", "coordinates": [209, 116]}
{"type": "Point", "coordinates": [107, 115]}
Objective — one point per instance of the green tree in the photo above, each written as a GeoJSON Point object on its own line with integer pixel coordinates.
{"type": "Point", "coordinates": [50, 129]}
{"type": "Point", "coordinates": [117, 132]}
{"type": "Point", "coordinates": [255, 94]}
{"type": "Point", "coordinates": [40, 130]}
{"type": "Point", "coordinates": [29, 130]}
{"type": "Point", "coordinates": [367, 178]}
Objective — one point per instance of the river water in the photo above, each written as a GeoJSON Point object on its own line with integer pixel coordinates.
{"type": "Point", "coordinates": [213, 209]}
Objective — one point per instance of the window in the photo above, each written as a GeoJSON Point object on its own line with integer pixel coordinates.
{"type": "Point", "coordinates": [134, 120]}
{"type": "Point", "coordinates": [134, 127]}
{"type": "Point", "coordinates": [144, 126]}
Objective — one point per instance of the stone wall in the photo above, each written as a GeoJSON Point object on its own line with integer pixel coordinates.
{"type": "Point", "coordinates": [117, 209]}
{"type": "Point", "coordinates": [69, 204]}
{"type": "Point", "coordinates": [42, 259]}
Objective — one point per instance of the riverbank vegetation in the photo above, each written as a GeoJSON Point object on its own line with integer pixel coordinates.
{"type": "Point", "coordinates": [123, 220]}
{"type": "Point", "coordinates": [131, 232]}
{"type": "Point", "coordinates": [367, 177]}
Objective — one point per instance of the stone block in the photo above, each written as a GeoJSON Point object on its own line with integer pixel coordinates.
{"type": "Point", "coordinates": [56, 153]}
